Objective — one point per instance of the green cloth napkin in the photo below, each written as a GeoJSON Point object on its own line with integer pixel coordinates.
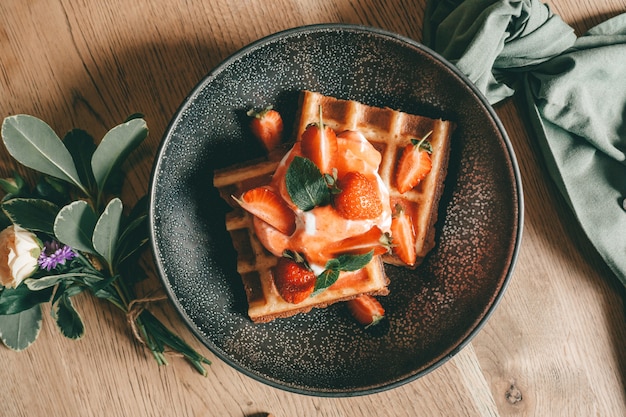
{"type": "Point", "coordinates": [575, 88]}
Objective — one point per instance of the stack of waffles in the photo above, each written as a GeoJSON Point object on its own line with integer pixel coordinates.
{"type": "Point", "coordinates": [389, 131]}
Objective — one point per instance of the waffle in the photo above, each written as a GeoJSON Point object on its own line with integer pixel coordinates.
{"type": "Point", "coordinates": [254, 262]}
{"type": "Point", "coordinates": [390, 131]}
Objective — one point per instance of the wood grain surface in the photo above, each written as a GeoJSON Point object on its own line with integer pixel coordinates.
{"type": "Point", "coordinates": [555, 346]}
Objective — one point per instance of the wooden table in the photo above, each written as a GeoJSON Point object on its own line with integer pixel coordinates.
{"type": "Point", "coordinates": [554, 347]}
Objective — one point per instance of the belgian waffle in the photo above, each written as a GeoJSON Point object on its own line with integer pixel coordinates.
{"type": "Point", "coordinates": [390, 131]}
{"type": "Point", "coordinates": [254, 262]}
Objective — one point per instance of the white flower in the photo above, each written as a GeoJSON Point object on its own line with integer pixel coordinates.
{"type": "Point", "coordinates": [19, 250]}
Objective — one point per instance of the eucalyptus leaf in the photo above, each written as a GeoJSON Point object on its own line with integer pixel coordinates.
{"type": "Point", "coordinates": [19, 331]}
{"type": "Point", "coordinates": [33, 143]}
{"type": "Point", "coordinates": [106, 232]}
{"type": "Point", "coordinates": [68, 320]}
{"type": "Point", "coordinates": [75, 224]}
{"type": "Point", "coordinates": [16, 300]}
{"type": "Point", "coordinates": [115, 147]}
{"type": "Point", "coordinates": [33, 214]}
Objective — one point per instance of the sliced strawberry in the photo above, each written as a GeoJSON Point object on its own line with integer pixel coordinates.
{"type": "Point", "coordinates": [294, 280]}
{"type": "Point", "coordinates": [366, 309]}
{"type": "Point", "coordinates": [267, 127]}
{"type": "Point", "coordinates": [357, 153]}
{"type": "Point", "coordinates": [358, 198]}
{"type": "Point", "coordinates": [319, 144]}
{"type": "Point", "coordinates": [403, 236]}
{"type": "Point", "coordinates": [374, 239]}
{"type": "Point", "coordinates": [414, 164]}
{"type": "Point", "coordinates": [268, 206]}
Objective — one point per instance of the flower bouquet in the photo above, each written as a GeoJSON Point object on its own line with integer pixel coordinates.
{"type": "Point", "coordinates": [70, 233]}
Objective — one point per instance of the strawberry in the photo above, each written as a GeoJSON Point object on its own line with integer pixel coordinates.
{"type": "Point", "coordinates": [358, 197]}
{"type": "Point", "coordinates": [403, 236]}
{"type": "Point", "coordinates": [293, 278]}
{"type": "Point", "coordinates": [414, 164]}
{"type": "Point", "coordinates": [366, 309]}
{"type": "Point", "coordinates": [319, 144]}
{"type": "Point", "coordinates": [374, 239]}
{"type": "Point", "coordinates": [268, 206]}
{"type": "Point", "coordinates": [267, 127]}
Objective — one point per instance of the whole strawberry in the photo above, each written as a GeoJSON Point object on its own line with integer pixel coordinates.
{"type": "Point", "coordinates": [357, 197]}
{"type": "Point", "coordinates": [293, 278]}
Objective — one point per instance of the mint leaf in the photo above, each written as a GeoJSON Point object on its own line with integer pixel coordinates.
{"type": "Point", "coordinates": [325, 280]}
{"type": "Point", "coordinates": [341, 263]}
{"type": "Point", "coordinates": [353, 262]}
{"type": "Point", "coordinates": [306, 184]}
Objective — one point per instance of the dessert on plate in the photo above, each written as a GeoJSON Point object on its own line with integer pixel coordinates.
{"type": "Point", "coordinates": [315, 220]}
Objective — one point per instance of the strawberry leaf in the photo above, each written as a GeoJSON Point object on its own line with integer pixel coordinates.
{"type": "Point", "coordinates": [306, 185]}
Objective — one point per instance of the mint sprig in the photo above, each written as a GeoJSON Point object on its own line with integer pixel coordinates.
{"type": "Point", "coordinates": [306, 185]}
{"type": "Point", "coordinates": [334, 266]}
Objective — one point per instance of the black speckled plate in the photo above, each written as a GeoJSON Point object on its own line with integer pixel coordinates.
{"type": "Point", "coordinates": [433, 311]}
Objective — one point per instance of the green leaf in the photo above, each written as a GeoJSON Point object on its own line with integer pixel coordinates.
{"type": "Point", "coordinates": [336, 265]}
{"type": "Point", "coordinates": [81, 146]}
{"type": "Point", "coordinates": [115, 147]}
{"type": "Point", "coordinates": [75, 224]}
{"type": "Point", "coordinates": [9, 186]}
{"type": "Point", "coordinates": [33, 214]}
{"type": "Point", "coordinates": [325, 280]}
{"type": "Point", "coordinates": [4, 220]}
{"type": "Point", "coordinates": [37, 284]}
{"type": "Point", "coordinates": [19, 331]}
{"type": "Point", "coordinates": [306, 184]}
{"type": "Point", "coordinates": [16, 300]}
{"type": "Point", "coordinates": [106, 232]}
{"type": "Point", "coordinates": [34, 144]}
{"type": "Point", "coordinates": [133, 238]}
{"type": "Point", "coordinates": [353, 262]}
{"type": "Point", "coordinates": [68, 319]}
{"type": "Point", "coordinates": [53, 190]}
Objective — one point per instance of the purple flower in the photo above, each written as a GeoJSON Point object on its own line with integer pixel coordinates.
{"type": "Point", "coordinates": [53, 255]}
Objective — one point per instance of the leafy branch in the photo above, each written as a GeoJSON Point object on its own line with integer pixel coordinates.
{"type": "Point", "coordinates": [94, 245]}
